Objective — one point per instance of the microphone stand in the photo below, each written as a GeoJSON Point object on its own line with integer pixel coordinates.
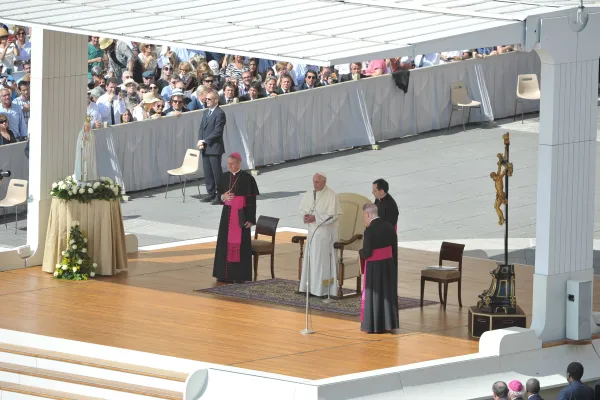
{"type": "Point", "coordinates": [307, 330]}
{"type": "Point", "coordinates": [329, 300]}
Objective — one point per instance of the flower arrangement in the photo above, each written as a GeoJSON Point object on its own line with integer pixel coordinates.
{"type": "Point", "coordinates": [84, 192]}
{"type": "Point", "coordinates": [76, 264]}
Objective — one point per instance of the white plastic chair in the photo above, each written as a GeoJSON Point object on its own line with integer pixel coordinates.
{"type": "Point", "coordinates": [528, 88]}
{"type": "Point", "coordinates": [191, 165]}
{"type": "Point", "coordinates": [460, 100]}
{"type": "Point", "coordinates": [15, 196]}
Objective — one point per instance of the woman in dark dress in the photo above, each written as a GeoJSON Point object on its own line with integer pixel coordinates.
{"type": "Point", "coordinates": [6, 135]}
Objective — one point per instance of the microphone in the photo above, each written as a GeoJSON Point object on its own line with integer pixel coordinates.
{"type": "Point", "coordinates": [4, 174]}
{"type": "Point", "coordinates": [314, 195]}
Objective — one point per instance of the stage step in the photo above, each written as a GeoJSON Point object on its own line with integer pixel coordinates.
{"type": "Point", "coordinates": [13, 391]}
{"type": "Point", "coordinates": [92, 362]}
{"type": "Point", "coordinates": [81, 385]}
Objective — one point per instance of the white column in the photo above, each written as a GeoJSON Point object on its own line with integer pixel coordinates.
{"type": "Point", "coordinates": [566, 168]}
{"type": "Point", "coordinates": [58, 110]}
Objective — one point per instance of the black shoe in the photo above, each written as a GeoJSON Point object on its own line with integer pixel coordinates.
{"type": "Point", "coordinates": [216, 202]}
{"type": "Point", "coordinates": [208, 199]}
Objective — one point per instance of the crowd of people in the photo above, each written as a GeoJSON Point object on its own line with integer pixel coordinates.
{"type": "Point", "coordinates": [575, 390]}
{"type": "Point", "coordinates": [130, 81]}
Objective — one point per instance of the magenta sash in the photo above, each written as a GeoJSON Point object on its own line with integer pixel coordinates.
{"type": "Point", "coordinates": [234, 234]}
{"type": "Point", "coordinates": [378, 255]}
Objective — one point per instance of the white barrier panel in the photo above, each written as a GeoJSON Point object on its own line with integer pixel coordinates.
{"type": "Point", "coordinates": [317, 121]}
{"type": "Point", "coordinates": [12, 158]}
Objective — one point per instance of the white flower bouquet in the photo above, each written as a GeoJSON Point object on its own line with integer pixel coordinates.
{"type": "Point", "coordinates": [76, 264]}
{"type": "Point", "coordinates": [84, 192]}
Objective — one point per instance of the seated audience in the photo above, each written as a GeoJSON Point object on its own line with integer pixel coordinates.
{"type": "Point", "coordinates": [254, 93]}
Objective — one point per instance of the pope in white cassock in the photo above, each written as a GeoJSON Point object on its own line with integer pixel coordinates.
{"type": "Point", "coordinates": [85, 155]}
{"type": "Point", "coordinates": [320, 206]}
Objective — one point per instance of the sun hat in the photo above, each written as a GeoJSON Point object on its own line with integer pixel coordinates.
{"type": "Point", "coordinates": [150, 98]}
{"type": "Point", "coordinates": [176, 92]}
{"type": "Point", "coordinates": [128, 81]}
{"type": "Point", "coordinates": [105, 42]}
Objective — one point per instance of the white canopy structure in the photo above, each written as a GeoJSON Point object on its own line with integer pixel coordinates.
{"type": "Point", "coordinates": [317, 32]}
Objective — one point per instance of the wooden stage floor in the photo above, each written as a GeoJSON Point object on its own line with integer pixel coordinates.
{"type": "Point", "coordinates": [153, 308]}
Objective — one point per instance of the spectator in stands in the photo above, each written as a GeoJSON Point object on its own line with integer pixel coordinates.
{"type": "Point", "coordinates": [23, 101]}
{"type": "Point", "coordinates": [186, 76]}
{"type": "Point", "coordinates": [157, 109]}
{"type": "Point", "coordinates": [515, 390]}
{"type": "Point", "coordinates": [6, 135]}
{"type": "Point", "coordinates": [120, 57]}
{"type": "Point", "coordinates": [167, 71]}
{"type": "Point", "coordinates": [199, 100]}
{"type": "Point", "coordinates": [95, 55]}
{"type": "Point", "coordinates": [285, 84]}
{"type": "Point", "coordinates": [324, 74]}
{"type": "Point", "coordinates": [8, 51]}
{"type": "Point", "coordinates": [576, 389]}
{"type": "Point", "coordinates": [375, 64]}
{"type": "Point", "coordinates": [166, 92]}
{"type": "Point", "coordinates": [92, 108]}
{"type": "Point", "coordinates": [26, 71]}
{"type": "Point", "coordinates": [149, 77]}
{"type": "Point", "coordinates": [504, 49]}
{"type": "Point", "coordinates": [208, 80]}
{"type": "Point", "coordinates": [244, 86]}
{"type": "Point", "coordinates": [500, 390]}
{"type": "Point", "coordinates": [427, 60]}
{"type": "Point", "coordinates": [98, 78]}
{"type": "Point", "coordinates": [126, 117]}
{"type": "Point", "coordinates": [254, 93]}
{"type": "Point", "coordinates": [354, 74]}
{"type": "Point", "coordinates": [483, 52]}
{"type": "Point", "coordinates": [111, 105]}
{"type": "Point", "coordinates": [142, 111]}
{"type": "Point", "coordinates": [153, 87]}
{"type": "Point", "coordinates": [406, 63]}
{"type": "Point", "coordinates": [236, 67]}
{"type": "Point", "coordinates": [24, 46]}
{"type": "Point", "coordinates": [533, 389]}
{"type": "Point", "coordinates": [14, 115]}
{"type": "Point", "coordinates": [131, 98]}
{"type": "Point", "coordinates": [253, 69]}
{"type": "Point", "coordinates": [271, 86]}
{"type": "Point", "coordinates": [267, 73]}
{"type": "Point", "coordinates": [142, 90]}
{"type": "Point", "coordinates": [148, 58]}
{"type": "Point", "coordinates": [177, 103]}
{"type": "Point", "coordinates": [228, 96]}
{"type": "Point", "coordinates": [310, 81]}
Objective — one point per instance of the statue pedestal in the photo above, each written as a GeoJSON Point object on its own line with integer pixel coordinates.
{"type": "Point", "coordinates": [480, 321]}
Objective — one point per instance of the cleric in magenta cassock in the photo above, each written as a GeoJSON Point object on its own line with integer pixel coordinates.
{"type": "Point", "coordinates": [379, 255]}
{"type": "Point", "coordinates": [233, 256]}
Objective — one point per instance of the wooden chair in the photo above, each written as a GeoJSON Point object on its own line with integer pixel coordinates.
{"type": "Point", "coordinates": [350, 228]}
{"type": "Point", "coordinates": [16, 195]}
{"type": "Point", "coordinates": [448, 252]}
{"type": "Point", "coordinates": [264, 226]}
{"type": "Point", "coordinates": [190, 166]}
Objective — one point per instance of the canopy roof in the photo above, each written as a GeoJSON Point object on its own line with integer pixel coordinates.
{"type": "Point", "coordinates": [319, 32]}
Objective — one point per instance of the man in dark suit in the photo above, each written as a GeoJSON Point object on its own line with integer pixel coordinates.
{"type": "Point", "coordinates": [210, 143]}
{"type": "Point", "coordinates": [533, 389]}
{"type": "Point", "coordinates": [255, 92]}
{"type": "Point", "coordinates": [354, 74]}
{"type": "Point", "coordinates": [311, 81]}
{"type": "Point", "coordinates": [576, 389]}
{"type": "Point", "coordinates": [386, 205]}
{"type": "Point", "coordinates": [286, 82]}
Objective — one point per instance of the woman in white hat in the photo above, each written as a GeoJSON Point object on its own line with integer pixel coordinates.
{"type": "Point", "coordinates": [141, 112]}
{"type": "Point", "coordinates": [8, 51]}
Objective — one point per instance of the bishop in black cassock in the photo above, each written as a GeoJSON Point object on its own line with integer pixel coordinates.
{"type": "Point", "coordinates": [387, 209]}
{"type": "Point", "coordinates": [233, 255]}
{"type": "Point", "coordinates": [379, 260]}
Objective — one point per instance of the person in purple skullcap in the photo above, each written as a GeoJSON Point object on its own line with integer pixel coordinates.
{"type": "Point", "coordinates": [515, 390]}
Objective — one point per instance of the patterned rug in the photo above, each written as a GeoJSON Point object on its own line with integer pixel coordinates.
{"type": "Point", "coordinates": [283, 291]}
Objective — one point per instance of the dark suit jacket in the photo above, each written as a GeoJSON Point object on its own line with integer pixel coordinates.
{"type": "Point", "coordinates": [378, 235]}
{"type": "Point", "coordinates": [387, 209]}
{"type": "Point", "coordinates": [280, 91]}
{"type": "Point", "coordinates": [348, 77]}
{"type": "Point", "coordinates": [535, 397]}
{"type": "Point", "coordinates": [246, 97]}
{"type": "Point", "coordinates": [211, 131]}
{"type": "Point", "coordinates": [576, 390]}
{"type": "Point", "coordinates": [303, 86]}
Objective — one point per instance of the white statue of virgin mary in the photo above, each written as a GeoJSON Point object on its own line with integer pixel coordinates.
{"type": "Point", "coordinates": [85, 155]}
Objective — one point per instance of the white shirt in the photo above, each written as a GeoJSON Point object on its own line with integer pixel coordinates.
{"type": "Point", "coordinates": [92, 112]}
{"type": "Point", "coordinates": [138, 113]}
{"type": "Point", "coordinates": [9, 58]}
{"type": "Point", "coordinates": [104, 108]}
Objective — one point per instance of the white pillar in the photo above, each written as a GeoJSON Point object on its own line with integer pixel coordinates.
{"type": "Point", "coordinates": [58, 110]}
{"type": "Point", "coordinates": [566, 168]}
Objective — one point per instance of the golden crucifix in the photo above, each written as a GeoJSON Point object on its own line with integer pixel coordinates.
{"type": "Point", "coordinates": [505, 169]}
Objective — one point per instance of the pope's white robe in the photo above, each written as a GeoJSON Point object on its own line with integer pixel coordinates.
{"type": "Point", "coordinates": [318, 250]}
